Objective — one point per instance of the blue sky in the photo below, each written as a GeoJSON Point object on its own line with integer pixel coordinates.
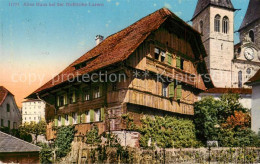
{"type": "Point", "coordinates": [47, 39]}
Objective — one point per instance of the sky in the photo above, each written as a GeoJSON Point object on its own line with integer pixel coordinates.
{"type": "Point", "coordinates": [38, 40]}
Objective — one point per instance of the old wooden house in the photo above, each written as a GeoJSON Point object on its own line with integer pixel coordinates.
{"type": "Point", "coordinates": [161, 61]}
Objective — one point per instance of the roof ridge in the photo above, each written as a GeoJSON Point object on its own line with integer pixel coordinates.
{"type": "Point", "coordinates": [19, 139]}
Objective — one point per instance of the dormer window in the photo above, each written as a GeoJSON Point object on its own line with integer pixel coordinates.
{"type": "Point", "coordinates": [162, 56]}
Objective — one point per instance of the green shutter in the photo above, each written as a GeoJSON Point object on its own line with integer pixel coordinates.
{"type": "Point", "coordinates": [169, 59]}
{"type": "Point", "coordinates": [78, 119]}
{"type": "Point", "coordinates": [179, 92]}
{"type": "Point", "coordinates": [178, 62]}
{"type": "Point", "coordinates": [74, 96]}
{"type": "Point", "coordinates": [70, 119]}
{"type": "Point", "coordinates": [92, 115]}
{"type": "Point", "coordinates": [62, 120]}
{"type": "Point", "coordinates": [171, 90]}
{"type": "Point", "coordinates": [83, 118]}
{"type": "Point", "coordinates": [102, 114]}
{"type": "Point", "coordinates": [56, 121]}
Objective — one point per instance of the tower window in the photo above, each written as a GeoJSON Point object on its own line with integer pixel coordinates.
{"type": "Point", "coordinates": [225, 24]}
{"type": "Point", "coordinates": [217, 23]}
{"type": "Point", "coordinates": [201, 27]}
{"type": "Point", "coordinates": [240, 79]}
{"type": "Point", "coordinates": [252, 36]}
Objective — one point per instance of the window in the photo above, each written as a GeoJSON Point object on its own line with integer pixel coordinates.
{"type": "Point", "coordinates": [2, 122]}
{"type": "Point", "coordinates": [59, 120]}
{"type": "Point", "coordinates": [225, 25]}
{"type": "Point", "coordinates": [61, 100]}
{"type": "Point", "coordinates": [34, 118]}
{"type": "Point", "coordinates": [217, 23]}
{"type": "Point", "coordinates": [240, 79]}
{"type": "Point", "coordinates": [201, 27]}
{"type": "Point", "coordinates": [179, 63]}
{"type": "Point", "coordinates": [9, 124]}
{"type": "Point", "coordinates": [72, 97]}
{"type": "Point", "coordinates": [8, 107]}
{"type": "Point", "coordinates": [165, 89]}
{"type": "Point", "coordinates": [156, 53]}
{"type": "Point", "coordinates": [97, 115]}
{"type": "Point", "coordinates": [162, 56]}
{"type": "Point", "coordinates": [96, 92]}
{"type": "Point", "coordinates": [159, 54]}
{"type": "Point", "coordinates": [74, 116]}
{"type": "Point", "coordinates": [86, 93]}
{"type": "Point", "coordinates": [14, 125]}
{"type": "Point", "coordinates": [87, 116]}
{"type": "Point", "coordinates": [252, 36]}
{"type": "Point", "coordinates": [66, 119]}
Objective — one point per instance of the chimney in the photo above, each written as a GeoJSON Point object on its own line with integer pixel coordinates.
{"type": "Point", "coordinates": [99, 39]}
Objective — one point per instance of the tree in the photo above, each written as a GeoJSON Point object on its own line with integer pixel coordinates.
{"type": "Point", "coordinates": [206, 118]}
{"type": "Point", "coordinates": [225, 120]}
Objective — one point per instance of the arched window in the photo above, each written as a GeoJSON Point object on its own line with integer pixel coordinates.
{"type": "Point", "coordinates": [252, 35]}
{"type": "Point", "coordinates": [201, 27]}
{"type": "Point", "coordinates": [240, 79]}
{"type": "Point", "coordinates": [225, 25]}
{"type": "Point", "coordinates": [217, 23]}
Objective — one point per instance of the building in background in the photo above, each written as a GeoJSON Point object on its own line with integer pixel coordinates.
{"type": "Point", "coordinates": [255, 111]}
{"type": "Point", "coordinates": [229, 65]}
{"type": "Point", "coordinates": [15, 150]}
{"type": "Point", "coordinates": [10, 115]}
{"type": "Point", "coordinates": [33, 110]}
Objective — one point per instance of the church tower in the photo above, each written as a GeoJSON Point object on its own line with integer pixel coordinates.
{"type": "Point", "coordinates": [250, 27]}
{"type": "Point", "coordinates": [215, 20]}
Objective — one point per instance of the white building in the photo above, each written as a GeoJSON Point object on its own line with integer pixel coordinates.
{"type": "Point", "coordinates": [255, 111]}
{"type": "Point", "coordinates": [10, 115]}
{"type": "Point", "coordinates": [33, 110]}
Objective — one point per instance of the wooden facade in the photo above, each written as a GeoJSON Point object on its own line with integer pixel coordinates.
{"type": "Point", "coordinates": [160, 77]}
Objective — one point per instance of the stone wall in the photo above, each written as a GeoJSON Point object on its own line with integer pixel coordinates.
{"type": "Point", "coordinates": [83, 153]}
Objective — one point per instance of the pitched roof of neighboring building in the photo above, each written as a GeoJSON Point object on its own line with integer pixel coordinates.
{"type": "Point", "coordinates": [3, 93]}
{"type": "Point", "coordinates": [203, 4]}
{"type": "Point", "coordinates": [9, 144]}
{"type": "Point", "coordinates": [252, 13]}
{"type": "Point", "coordinates": [32, 100]}
{"type": "Point", "coordinates": [119, 46]}
{"type": "Point", "coordinates": [254, 79]}
{"type": "Point", "coordinates": [230, 90]}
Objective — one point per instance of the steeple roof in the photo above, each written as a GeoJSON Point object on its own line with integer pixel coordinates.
{"type": "Point", "coordinates": [252, 13]}
{"type": "Point", "coordinates": [203, 4]}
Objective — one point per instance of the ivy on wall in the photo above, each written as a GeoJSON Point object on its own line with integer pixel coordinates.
{"type": "Point", "coordinates": [65, 136]}
{"type": "Point", "coordinates": [167, 132]}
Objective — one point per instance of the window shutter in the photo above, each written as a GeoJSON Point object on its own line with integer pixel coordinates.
{"type": "Point", "coordinates": [102, 114]}
{"type": "Point", "coordinates": [56, 121]}
{"type": "Point", "coordinates": [171, 90]}
{"type": "Point", "coordinates": [70, 119]}
{"type": "Point", "coordinates": [65, 98]}
{"type": "Point", "coordinates": [78, 119]}
{"type": "Point", "coordinates": [169, 58]}
{"type": "Point", "coordinates": [179, 92]}
{"type": "Point", "coordinates": [74, 96]}
{"type": "Point", "coordinates": [62, 120]}
{"type": "Point", "coordinates": [178, 62]}
{"type": "Point", "coordinates": [83, 118]}
{"type": "Point", "coordinates": [92, 115]}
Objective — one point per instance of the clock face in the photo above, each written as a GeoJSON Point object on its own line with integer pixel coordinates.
{"type": "Point", "coordinates": [249, 53]}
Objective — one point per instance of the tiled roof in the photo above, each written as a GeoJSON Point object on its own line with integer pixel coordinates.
{"type": "Point", "coordinates": [202, 4]}
{"type": "Point", "coordinates": [10, 144]}
{"type": "Point", "coordinates": [254, 79]}
{"type": "Point", "coordinates": [119, 46]}
{"type": "Point", "coordinates": [3, 93]}
{"type": "Point", "coordinates": [230, 90]}
{"type": "Point", "coordinates": [252, 13]}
